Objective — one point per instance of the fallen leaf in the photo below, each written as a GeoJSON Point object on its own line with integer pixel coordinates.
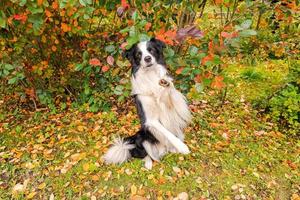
{"type": "Point", "coordinates": [95, 62]}
{"type": "Point", "coordinates": [110, 60]}
{"type": "Point", "coordinates": [42, 186]}
{"type": "Point", "coordinates": [133, 190]}
{"type": "Point", "coordinates": [105, 68]}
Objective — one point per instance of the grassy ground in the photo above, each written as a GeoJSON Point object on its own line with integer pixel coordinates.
{"type": "Point", "coordinates": [236, 153]}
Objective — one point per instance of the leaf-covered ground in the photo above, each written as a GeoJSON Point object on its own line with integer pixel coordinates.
{"type": "Point", "coordinates": [236, 153]}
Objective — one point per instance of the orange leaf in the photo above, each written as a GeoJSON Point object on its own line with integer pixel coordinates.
{"type": "Point", "coordinates": [105, 68]}
{"type": "Point", "coordinates": [95, 62]}
{"type": "Point", "coordinates": [206, 58]}
{"type": "Point", "coordinates": [166, 36]}
{"type": "Point", "coordinates": [218, 82]}
{"type": "Point", "coordinates": [55, 5]}
{"type": "Point", "coordinates": [148, 26]}
{"type": "Point", "coordinates": [218, 2]}
{"type": "Point", "coordinates": [48, 13]}
{"type": "Point", "coordinates": [65, 27]}
{"type": "Point", "coordinates": [39, 2]}
{"type": "Point", "coordinates": [179, 70]}
{"type": "Point", "coordinates": [198, 78]}
{"type": "Point", "coordinates": [53, 48]}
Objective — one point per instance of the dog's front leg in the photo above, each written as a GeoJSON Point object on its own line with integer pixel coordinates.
{"type": "Point", "coordinates": [148, 162]}
{"type": "Point", "coordinates": [161, 133]}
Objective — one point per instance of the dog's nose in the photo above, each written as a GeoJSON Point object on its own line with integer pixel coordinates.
{"type": "Point", "coordinates": [147, 59]}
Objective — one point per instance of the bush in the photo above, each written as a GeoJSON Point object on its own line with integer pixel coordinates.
{"type": "Point", "coordinates": [58, 53]}
{"type": "Point", "coordinates": [284, 108]}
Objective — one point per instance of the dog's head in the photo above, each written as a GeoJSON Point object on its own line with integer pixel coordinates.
{"type": "Point", "coordinates": [146, 54]}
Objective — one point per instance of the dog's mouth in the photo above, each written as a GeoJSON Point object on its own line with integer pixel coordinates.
{"type": "Point", "coordinates": [149, 65]}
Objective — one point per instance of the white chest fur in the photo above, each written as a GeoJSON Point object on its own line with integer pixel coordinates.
{"type": "Point", "coordinates": [164, 104]}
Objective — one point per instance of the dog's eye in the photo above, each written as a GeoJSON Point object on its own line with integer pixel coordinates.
{"type": "Point", "coordinates": [150, 50]}
{"type": "Point", "coordinates": [138, 54]}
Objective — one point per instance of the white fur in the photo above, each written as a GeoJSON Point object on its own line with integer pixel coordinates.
{"type": "Point", "coordinates": [119, 152]}
{"type": "Point", "coordinates": [148, 162]}
{"type": "Point", "coordinates": [165, 108]}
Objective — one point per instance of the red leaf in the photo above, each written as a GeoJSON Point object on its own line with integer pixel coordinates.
{"type": "Point", "coordinates": [191, 31]}
{"type": "Point", "coordinates": [124, 4]}
{"type": "Point", "coordinates": [229, 35]}
{"type": "Point", "coordinates": [95, 62]}
{"type": "Point", "coordinates": [123, 45]}
{"type": "Point", "coordinates": [110, 60]}
{"type": "Point", "coordinates": [20, 17]}
{"type": "Point", "coordinates": [105, 68]}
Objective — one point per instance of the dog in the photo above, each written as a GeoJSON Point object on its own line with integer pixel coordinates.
{"type": "Point", "coordinates": [163, 111]}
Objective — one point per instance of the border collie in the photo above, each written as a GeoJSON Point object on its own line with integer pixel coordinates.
{"type": "Point", "coordinates": [163, 110]}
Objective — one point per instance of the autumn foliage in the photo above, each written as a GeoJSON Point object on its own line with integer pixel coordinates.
{"type": "Point", "coordinates": [58, 54]}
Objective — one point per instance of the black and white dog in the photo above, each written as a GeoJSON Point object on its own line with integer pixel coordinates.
{"type": "Point", "coordinates": [163, 110]}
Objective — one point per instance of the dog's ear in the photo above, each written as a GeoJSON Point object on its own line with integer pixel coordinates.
{"type": "Point", "coordinates": [160, 44]}
{"type": "Point", "coordinates": [128, 53]}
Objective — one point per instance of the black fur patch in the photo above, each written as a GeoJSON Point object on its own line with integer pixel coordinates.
{"type": "Point", "coordinates": [155, 47]}
{"type": "Point", "coordinates": [141, 136]}
{"type": "Point", "coordinates": [140, 110]}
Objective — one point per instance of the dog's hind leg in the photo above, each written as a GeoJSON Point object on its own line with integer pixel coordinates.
{"type": "Point", "coordinates": [160, 132]}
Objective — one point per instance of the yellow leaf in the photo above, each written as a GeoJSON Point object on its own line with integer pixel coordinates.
{"type": "Point", "coordinates": [44, 40]}
{"type": "Point", "coordinates": [80, 128]}
{"type": "Point", "coordinates": [86, 167]}
{"type": "Point", "coordinates": [31, 195]}
{"type": "Point", "coordinates": [133, 190]}
{"type": "Point", "coordinates": [42, 186]}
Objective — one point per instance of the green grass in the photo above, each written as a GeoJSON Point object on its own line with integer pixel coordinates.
{"type": "Point", "coordinates": [234, 152]}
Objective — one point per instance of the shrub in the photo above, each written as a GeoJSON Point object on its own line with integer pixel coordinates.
{"type": "Point", "coordinates": [284, 108]}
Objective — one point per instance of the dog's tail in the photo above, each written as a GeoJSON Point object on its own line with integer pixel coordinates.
{"type": "Point", "coordinates": [119, 152]}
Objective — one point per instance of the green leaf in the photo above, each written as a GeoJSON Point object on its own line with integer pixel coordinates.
{"type": "Point", "coordinates": [131, 41]}
{"type": "Point", "coordinates": [85, 2]}
{"type": "Point", "coordinates": [110, 48]}
{"type": "Point", "coordinates": [247, 33]}
{"type": "Point", "coordinates": [85, 55]}
{"type": "Point", "coordinates": [246, 24]}
{"type": "Point", "coordinates": [37, 21]}
{"type": "Point", "coordinates": [118, 90]}
{"type": "Point", "coordinates": [78, 67]}
{"type": "Point", "coordinates": [22, 2]}
{"type": "Point", "coordinates": [144, 37]}
{"type": "Point", "coordinates": [12, 80]}
{"type": "Point", "coordinates": [193, 50]}
{"type": "Point", "coordinates": [2, 19]}
{"type": "Point", "coordinates": [135, 16]}
{"type": "Point", "coordinates": [125, 30]}
{"type": "Point", "coordinates": [35, 10]}
{"type": "Point", "coordinates": [8, 66]}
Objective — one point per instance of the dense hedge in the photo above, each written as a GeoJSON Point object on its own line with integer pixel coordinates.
{"type": "Point", "coordinates": [61, 53]}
